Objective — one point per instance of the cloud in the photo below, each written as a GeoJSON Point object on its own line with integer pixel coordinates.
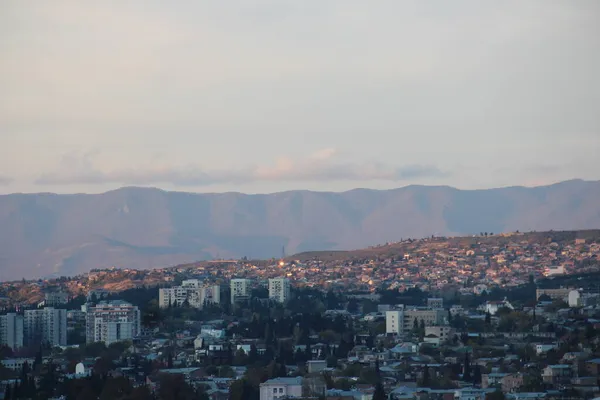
{"type": "Point", "coordinates": [320, 166]}
{"type": "Point", "coordinates": [5, 180]}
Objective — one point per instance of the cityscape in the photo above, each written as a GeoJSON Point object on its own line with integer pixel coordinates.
{"type": "Point", "coordinates": [300, 200]}
{"type": "Point", "coordinates": [490, 316]}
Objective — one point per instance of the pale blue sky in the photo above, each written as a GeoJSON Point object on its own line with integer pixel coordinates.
{"type": "Point", "coordinates": [269, 95]}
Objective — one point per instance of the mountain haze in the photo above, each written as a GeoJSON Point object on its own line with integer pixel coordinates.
{"type": "Point", "coordinates": [50, 234]}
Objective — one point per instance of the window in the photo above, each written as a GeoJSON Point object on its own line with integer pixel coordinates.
{"type": "Point", "coordinates": [274, 390]}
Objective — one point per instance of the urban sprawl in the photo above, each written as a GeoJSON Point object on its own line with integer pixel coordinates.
{"type": "Point", "coordinates": [511, 316]}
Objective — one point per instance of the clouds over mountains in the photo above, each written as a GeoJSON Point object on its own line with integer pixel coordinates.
{"type": "Point", "coordinates": [322, 165]}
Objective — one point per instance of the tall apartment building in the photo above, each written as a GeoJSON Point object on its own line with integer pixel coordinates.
{"type": "Point", "coordinates": [53, 299]}
{"type": "Point", "coordinates": [11, 330]}
{"type": "Point", "coordinates": [48, 325]}
{"type": "Point", "coordinates": [240, 290]}
{"type": "Point", "coordinates": [192, 291]}
{"type": "Point", "coordinates": [394, 322]}
{"type": "Point", "coordinates": [112, 321]}
{"type": "Point", "coordinates": [279, 289]}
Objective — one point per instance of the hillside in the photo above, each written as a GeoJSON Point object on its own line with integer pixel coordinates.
{"type": "Point", "coordinates": [49, 234]}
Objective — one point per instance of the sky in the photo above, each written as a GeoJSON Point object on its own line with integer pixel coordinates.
{"type": "Point", "coordinates": [270, 95]}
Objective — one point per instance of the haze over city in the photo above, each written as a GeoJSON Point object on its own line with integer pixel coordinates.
{"type": "Point", "coordinates": [275, 95]}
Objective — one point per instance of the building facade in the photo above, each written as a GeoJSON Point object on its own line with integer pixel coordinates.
{"type": "Point", "coordinates": [47, 325]}
{"type": "Point", "coordinates": [192, 292]}
{"type": "Point", "coordinates": [112, 321]}
{"type": "Point", "coordinates": [240, 290]}
{"type": "Point", "coordinates": [11, 330]}
{"type": "Point", "coordinates": [394, 322]}
{"type": "Point", "coordinates": [281, 388]}
{"type": "Point", "coordinates": [279, 289]}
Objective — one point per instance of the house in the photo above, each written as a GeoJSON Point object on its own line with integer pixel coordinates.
{"type": "Point", "coordinates": [281, 387]}
{"type": "Point", "coordinates": [316, 365]}
{"type": "Point", "coordinates": [557, 373]}
{"type": "Point", "coordinates": [492, 307]}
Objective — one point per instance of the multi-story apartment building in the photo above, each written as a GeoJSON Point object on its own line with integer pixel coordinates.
{"type": "Point", "coordinates": [279, 289]}
{"type": "Point", "coordinates": [53, 299]}
{"type": "Point", "coordinates": [394, 322]}
{"type": "Point", "coordinates": [112, 321]}
{"type": "Point", "coordinates": [11, 330]}
{"type": "Point", "coordinates": [47, 325]}
{"type": "Point", "coordinates": [191, 291]}
{"type": "Point", "coordinates": [429, 317]}
{"type": "Point", "coordinates": [240, 290]}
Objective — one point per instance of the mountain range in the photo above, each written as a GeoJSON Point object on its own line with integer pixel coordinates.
{"type": "Point", "coordinates": [45, 234]}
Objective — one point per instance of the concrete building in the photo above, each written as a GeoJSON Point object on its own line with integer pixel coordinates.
{"type": "Point", "coordinates": [394, 322]}
{"type": "Point", "coordinates": [240, 290]}
{"type": "Point", "coordinates": [11, 330]}
{"type": "Point", "coordinates": [443, 332]}
{"type": "Point", "coordinates": [53, 299]}
{"type": "Point", "coordinates": [428, 316]}
{"type": "Point", "coordinates": [281, 388]}
{"type": "Point", "coordinates": [47, 325]}
{"type": "Point", "coordinates": [279, 289]}
{"type": "Point", "coordinates": [192, 292]}
{"type": "Point", "coordinates": [554, 294]}
{"type": "Point", "coordinates": [435, 303]}
{"type": "Point", "coordinates": [112, 321]}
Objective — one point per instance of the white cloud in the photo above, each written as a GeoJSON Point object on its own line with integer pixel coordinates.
{"type": "Point", "coordinates": [321, 166]}
{"type": "Point", "coordinates": [5, 180]}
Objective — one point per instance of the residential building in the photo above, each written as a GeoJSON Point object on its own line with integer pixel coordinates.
{"type": "Point", "coordinates": [435, 303]}
{"type": "Point", "coordinates": [394, 322]}
{"type": "Point", "coordinates": [48, 325]}
{"type": "Point", "coordinates": [112, 321]}
{"type": "Point", "coordinates": [554, 294]}
{"type": "Point", "coordinates": [11, 330]}
{"type": "Point", "coordinates": [428, 316]}
{"type": "Point", "coordinates": [53, 299]}
{"type": "Point", "coordinates": [443, 332]}
{"type": "Point", "coordinates": [240, 290]}
{"type": "Point", "coordinates": [281, 388]}
{"type": "Point", "coordinates": [492, 307]}
{"type": "Point", "coordinates": [191, 292]}
{"type": "Point", "coordinates": [279, 289]}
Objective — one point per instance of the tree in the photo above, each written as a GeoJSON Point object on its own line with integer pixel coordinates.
{"type": "Point", "coordinates": [426, 378]}
{"type": "Point", "coordinates": [467, 368]}
{"type": "Point", "coordinates": [477, 375]}
{"type": "Point", "coordinates": [379, 393]}
{"type": "Point", "coordinates": [497, 395]}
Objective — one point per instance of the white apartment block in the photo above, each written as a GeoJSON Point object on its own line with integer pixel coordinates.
{"type": "Point", "coordinates": [11, 330]}
{"type": "Point", "coordinates": [394, 322]}
{"type": "Point", "coordinates": [112, 321]}
{"type": "Point", "coordinates": [192, 291]}
{"type": "Point", "coordinates": [240, 289]}
{"type": "Point", "coordinates": [279, 289]}
{"type": "Point", "coordinates": [47, 325]}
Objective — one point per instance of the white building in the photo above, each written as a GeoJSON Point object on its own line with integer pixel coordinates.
{"type": "Point", "coordinates": [435, 303]}
{"type": "Point", "coordinates": [492, 307]}
{"type": "Point", "coordinates": [191, 291]}
{"type": "Point", "coordinates": [11, 330]}
{"type": "Point", "coordinates": [240, 290]}
{"type": "Point", "coordinates": [394, 322]}
{"type": "Point", "coordinates": [47, 325]}
{"type": "Point", "coordinates": [279, 289]}
{"type": "Point", "coordinates": [554, 270]}
{"type": "Point", "coordinates": [281, 387]}
{"type": "Point", "coordinates": [112, 321]}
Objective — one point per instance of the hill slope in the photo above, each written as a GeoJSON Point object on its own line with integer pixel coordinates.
{"type": "Point", "coordinates": [48, 234]}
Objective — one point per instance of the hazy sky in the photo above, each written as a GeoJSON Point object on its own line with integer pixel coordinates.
{"type": "Point", "coordinates": [261, 96]}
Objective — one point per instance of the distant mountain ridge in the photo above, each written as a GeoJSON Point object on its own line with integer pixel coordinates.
{"type": "Point", "coordinates": [49, 234]}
